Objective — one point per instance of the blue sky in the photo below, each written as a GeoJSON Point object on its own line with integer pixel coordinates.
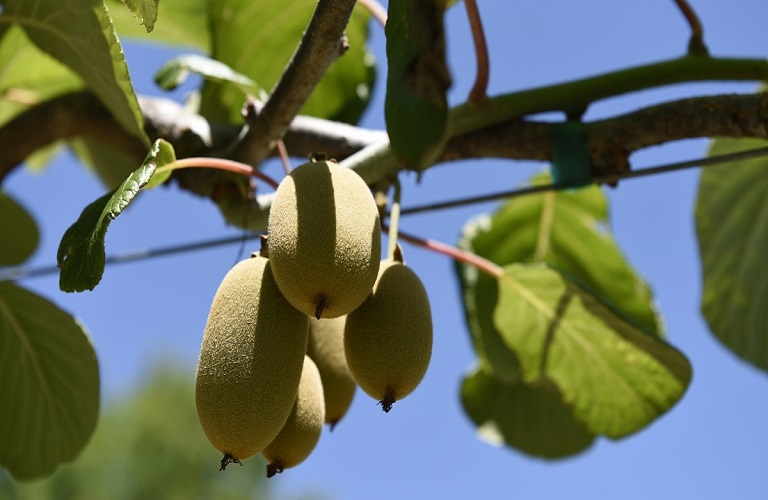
{"type": "Point", "coordinates": [713, 444]}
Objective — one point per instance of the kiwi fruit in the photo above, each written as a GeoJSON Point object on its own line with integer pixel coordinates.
{"type": "Point", "coordinates": [301, 431]}
{"type": "Point", "coordinates": [324, 239]}
{"type": "Point", "coordinates": [326, 348]}
{"type": "Point", "coordinates": [250, 362]}
{"type": "Point", "coordinates": [388, 339]}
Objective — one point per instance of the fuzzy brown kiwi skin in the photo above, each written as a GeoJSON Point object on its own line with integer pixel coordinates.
{"type": "Point", "coordinates": [388, 339]}
{"type": "Point", "coordinates": [326, 348]}
{"type": "Point", "coordinates": [324, 239]}
{"type": "Point", "coordinates": [250, 362]}
{"type": "Point", "coordinates": [302, 429]}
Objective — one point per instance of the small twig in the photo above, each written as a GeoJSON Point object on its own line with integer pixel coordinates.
{"type": "Point", "coordinates": [696, 45]}
{"type": "Point", "coordinates": [484, 265]}
{"type": "Point", "coordinates": [479, 90]}
{"type": "Point", "coordinates": [218, 164]}
{"type": "Point", "coordinates": [394, 220]}
{"type": "Point", "coordinates": [376, 9]}
{"type": "Point", "coordinates": [283, 156]}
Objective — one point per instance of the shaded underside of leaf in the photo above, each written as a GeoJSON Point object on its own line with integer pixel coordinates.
{"type": "Point", "coordinates": [50, 380]}
{"type": "Point", "coordinates": [732, 231]}
{"type": "Point", "coordinates": [617, 378]}
{"type": "Point", "coordinates": [258, 38]}
{"type": "Point", "coordinates": [531, 418]}
{"type": "Point", "coordinates": [19, 235]}
{"type": "Point", "coordinates": [416, 105]}
{"type": "Point", "coordinates": [81, 254]}
{"type": "Point", "coordinates": [80, 35]}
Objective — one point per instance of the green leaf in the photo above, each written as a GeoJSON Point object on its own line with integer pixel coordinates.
{"type": "Point", "coordinates": [565, 229]}
{"type": "Point", "coordinates": [616, 378]}
{"type": "Point", "coordinates": [50, 380]}
{"type": "Point", "coordinates": [80, 34]}
{"type": "Point", "coordinates": [145, 11]}
{"type": "Point", "coordinates": [258, 38]}
{"type": "Point", "coordinates": [81, 255]}
{"type": "Point", "coordinates": [732, 230]}
{"type": "Point", "coordinates": [480, 293]}
{"type": "Point", "coordinates": [29, 75]}
{"type": "Point", "coordinates": [531, 418]}
{"type": "Point", "coordinates": [416, 106]}
{"type": "Point", "coordinates": [183, 22]}
{"type": "Point", "coordinates": [19, 235]}
{"type": "Point", "coordinates": [177, 70]}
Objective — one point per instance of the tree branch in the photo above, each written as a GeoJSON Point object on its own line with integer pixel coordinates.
{"type": "Point", "coordinates": [63, 117]}
{"type": "Point", "coordinates": [610, 141]}
{"type": "Point", "coordinates": [321, 44]}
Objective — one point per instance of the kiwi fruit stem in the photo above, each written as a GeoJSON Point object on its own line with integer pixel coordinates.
{"type": "Point", "coordinates": [274, 468]}
{"type": "Point", "coordinates": [228, 459]}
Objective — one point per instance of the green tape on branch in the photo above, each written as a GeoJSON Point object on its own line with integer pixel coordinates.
{"type": "Point", "coordinates": [570, 156]}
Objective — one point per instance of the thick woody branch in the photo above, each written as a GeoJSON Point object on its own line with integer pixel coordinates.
{"type": "Point", "coordinates": [322, 43]}
{"type": "Point", "coordinates": [63, 117]}
{"type": "Point", "coordinates": [610, 141]}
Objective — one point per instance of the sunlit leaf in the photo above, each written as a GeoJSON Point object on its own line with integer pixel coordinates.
{"type": "Point", "coordinates": [416, 106]}
{"type": "Point", "coordinates": [182, 22]}
{"type": "Point", "coordinates": [258, 38]}
{"type": "Point", "coordinates": [616, 377]}
{"type": "Point", "coordinates": [566, 229]}
{"type": "Point", "coordinates": [176, 71]}
{"type": "Point", "coordinates": [732, 230]}
{"type": "Point", "coordinates": [50, 380]}
{"type": "Point", "coordinates": [145, 11]}
{"type": "Point", "coordinates": [81, 255]}
{"type": "Point", "coordinates": [531, 418]}
{"type": "Point", "coordinates": [80, 35]}
{"type": "Point", "coordinates": [19, 235]}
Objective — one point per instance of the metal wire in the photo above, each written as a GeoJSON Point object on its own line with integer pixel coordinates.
{"type": "Point", "coordinates": [17, 273]}
{"type": "Point", "coordinates": [661, 169]}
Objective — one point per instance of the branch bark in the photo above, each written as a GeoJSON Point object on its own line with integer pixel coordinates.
{"type": "Point", "coordinates": [610, 141]}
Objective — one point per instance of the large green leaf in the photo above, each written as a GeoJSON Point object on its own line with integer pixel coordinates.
{"type": "Point", "coordinates": [50, 384]}
{"type": "Point", "coordinates": [531, 418]}
{"type": "Point", "coordinates": [181, 22]}
{"type": "Point", "coordinates": [81, 255]}
{"type": "Point", "coordinates": [18, 232]}
{"type": "Point", "coordinates": [28, 75]}
{"type": "Point", "coordinates": [416, 106]}
{"type": "Point", "coordinates": [732, 229]}
{"type": "Point", "coordinates": [80, 35]}
{"type": "Point", "coordinates": [566, 229]}
{"type": "Point", "coordinates": [258, 37]}
{"type": "Point", "coordinates": [616, 377]}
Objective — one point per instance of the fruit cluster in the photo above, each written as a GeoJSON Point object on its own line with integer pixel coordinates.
{"type": "Point", "coordinates": [294, 330]}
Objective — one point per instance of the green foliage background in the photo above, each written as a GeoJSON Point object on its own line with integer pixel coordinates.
{"type": "Point", "coordinates": [148, 444]}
